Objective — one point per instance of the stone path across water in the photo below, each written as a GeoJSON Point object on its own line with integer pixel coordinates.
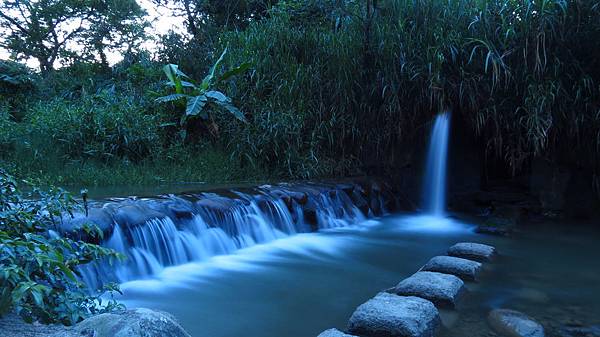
{"type": "Point", "coordinates": [411, 308]}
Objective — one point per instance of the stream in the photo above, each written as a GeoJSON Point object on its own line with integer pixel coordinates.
{"type": "Point", "coordinates": [301, 285]}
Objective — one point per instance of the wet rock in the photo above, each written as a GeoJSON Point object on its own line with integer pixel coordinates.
{"type": "Point", "coordinates": [132, 323]}
{"type": "Point", "coordinates": [472, 251]}
{"type": "Point", "coordinates": [134, 215]}
{"type": "Point", "coordinates": [463, 268]}
{"type": "Point", "coordinates": [511, 323]}
{"type": "Point", "coordinates": [96, 216]}
{"type": "Point", "coordinates": [532, 295]}
{"type": "Point", "coordinates": [442, 289]}
{"type": "Point", "coordinates": [395, 316]}
{"type": "Point", "coordinates": [577, 331]}
{"type": "Point", "coordinates": [334, 333]}
{"type": "Point", "coordinates": [219, 205]}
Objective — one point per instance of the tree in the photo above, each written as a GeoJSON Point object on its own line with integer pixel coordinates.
{"type": "Point", "coordinates": [227, 14]}
{"type": "Point", "coordinates": [51, 30]}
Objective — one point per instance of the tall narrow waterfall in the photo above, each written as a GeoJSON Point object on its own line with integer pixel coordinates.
{"type": "Point", "coordinates": [434, 191]}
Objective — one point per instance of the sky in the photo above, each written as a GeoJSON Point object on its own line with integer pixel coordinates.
{"type": "Point", "coordinates": [161, 22]}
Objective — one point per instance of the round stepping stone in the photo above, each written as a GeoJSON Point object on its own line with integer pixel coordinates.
{"type": "Point", "coordinates": [472, 251]}
{"type": "Point", "coordinates": [441, 289]}
{"type": "Point", "coordinates": [395, 316]}
{"type": "Point", "coordinates": [463, 268]}
{"type": "Point", "coordinates": [513, 323]}
{"type": "Point", "coordinates": [333, 333]}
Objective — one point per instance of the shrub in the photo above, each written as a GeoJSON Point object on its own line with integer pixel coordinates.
{"type": "Point", "coordinates": [38, 270]}
{"type": "Point", "coordinates": [99, 126]}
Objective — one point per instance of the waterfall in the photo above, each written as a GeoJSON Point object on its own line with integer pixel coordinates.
{"type": "Point", "coordinates": [157, 233]}
{"type": "Point", "coordinates": [434, 191]}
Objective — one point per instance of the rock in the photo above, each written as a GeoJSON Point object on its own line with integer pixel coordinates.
{"type": "Point", "coordinates": [137, 322]}
{"type": "Point", "coordinates": [333, 333]}
{"type": "Point", "coordinates": [511, 323]}
{"type": "Point", "coordinates": [463, 268]}
{"type": "Point", "coordinates": [135, 215]}
{"type": "Point", "coordinates": [472, 251]}
{"type": "Point", "coordinates": [96, 216]}
{"type": "Point", "coordinates": [441, 289]}
{"type": "Point", "coordinates": [390, 315]}
{"type": "Point", "coordinates": [217, 204]}
{"type": "Point", "coordinates": [572, 331]}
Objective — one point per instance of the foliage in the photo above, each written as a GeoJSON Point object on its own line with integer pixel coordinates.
{"type": "Point", "coordinates": [98, 126]}
{"type": "Point", "coordinates": [204, 15]}
{"type": "Point", "coordinates": [359, 79]}
{"type": "Point", "coordinates": [39, 271]}
{"type": "Point", "coordinates": [47, 30]}
{"type": "Point", "coordinates": [199, 96]}
{"type": "Point", "coordinates": [335, 87]}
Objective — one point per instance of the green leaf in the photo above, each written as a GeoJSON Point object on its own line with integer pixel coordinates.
{"type": "Point", "coordinates": [209, 79]}
{"type": "Point", "coordinates": [236, 71]}
{"type": "Point", "coordinates": [195, 106]}
{"type": "Point", "coordinates": [235, 111]}
{"type": "Point", "coordinates": [218, 96]}
{"type": "Point", "coordinates": [173, 74]}
{"type": "Point", "coordinates": [170, 98]}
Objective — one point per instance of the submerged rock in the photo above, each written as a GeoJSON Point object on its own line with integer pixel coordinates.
{"type": "Point", "coordinates": [137, 322]}
{"type": "Point", "coordinates": [472, 251]}
{"type": "Point", "coordinates": [334, 333]}
{"type": "Point", "coordinates": [572, 331]}
{"type": "Point", "coordinates": [463, 268]}
{"type": "Point", "coordinates": [511, 323]}
{"type": "Point", "coordinates": [390, 315]}
{"type": "Point", "coordinates": [496, 230]}
{"type": "Point", "coordinates": [442, 289]}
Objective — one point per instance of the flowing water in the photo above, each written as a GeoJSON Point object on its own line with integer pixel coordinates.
{"type": "Point", "coordinates": [301, 285]}
{"type": "Point", "coordinates": [252, 265]}
{"type": "Point", "coordinates": [434, 191]}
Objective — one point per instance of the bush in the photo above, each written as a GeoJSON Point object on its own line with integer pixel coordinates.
{"type": "Point", "coordinates": [99, 126]}
{"type": "Point", "coordinates": [38, 270]}
{"type": "Point", "coordinates": [353, 81]}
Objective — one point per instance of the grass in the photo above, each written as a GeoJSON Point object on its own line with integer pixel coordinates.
{"type": "Point", "coordinates": [206, 166]}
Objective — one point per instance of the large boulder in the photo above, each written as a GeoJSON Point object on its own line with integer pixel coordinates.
{"type": "Point", "coordinates": [137, 322]}
{"type": "Point", "coordinates": [472, 251]}
{"type": "Point", "coordinates": [463, 268]}
{"type": "Point", "coordinates": [333, 333]}
{"type": "Point", "coordinates": [442, 289]}
{"type": "Point", "coordinates": [389, 315]}
{"type": "Point", "coordinates": [511, 323]}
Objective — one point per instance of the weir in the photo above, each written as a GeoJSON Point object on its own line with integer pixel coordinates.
{"type": "Point", "coordinates": [172, 230]}
{"type": "Point", "coordinates": [434, 190]}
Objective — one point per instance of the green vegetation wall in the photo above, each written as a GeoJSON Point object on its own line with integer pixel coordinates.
{"type": "Point", "coordinates": [335, 87]}
{"type": "Point", "coordinates": [336, 83]}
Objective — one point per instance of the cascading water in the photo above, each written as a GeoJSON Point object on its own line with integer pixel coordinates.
{"type": "Point", "coordinates": [434, 192]}
{"type": "Point", "coordinates": [156, 233]}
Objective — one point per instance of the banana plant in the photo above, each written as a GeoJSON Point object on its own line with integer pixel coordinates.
{"type": "Point", "coordinates": [198, 96]}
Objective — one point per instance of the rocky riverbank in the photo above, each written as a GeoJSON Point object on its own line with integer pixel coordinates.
{"type": "Point", "coordinates": [139, 322]}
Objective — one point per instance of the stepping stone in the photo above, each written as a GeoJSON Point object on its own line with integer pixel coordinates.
{"type": "Point", "coordinates": [441, 289]}
{"type": "Point", "coordinates": [463, 268]}
{"type": "Point", "coordinates": [390, 315]}
{"type": "Point", "coordinates": [472, 251]}
{"type": "Point", "coordinates": [514, 324]}
{"type": "Point", "coordinates": [333, 333]}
